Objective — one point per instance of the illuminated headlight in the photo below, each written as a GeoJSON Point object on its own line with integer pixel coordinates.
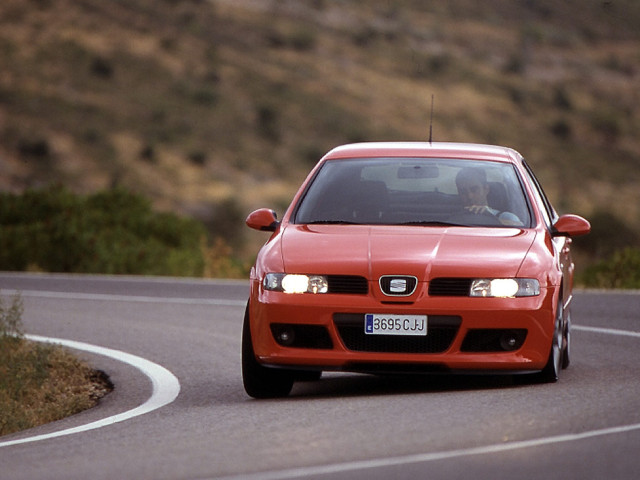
{"type": "Point", "coordinates": [290, 283]}
{"type": "Point", "coordinates": [505, 287]}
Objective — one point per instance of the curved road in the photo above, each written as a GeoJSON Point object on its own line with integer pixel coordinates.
{"type": "Point", "coordinates": [346, 426]}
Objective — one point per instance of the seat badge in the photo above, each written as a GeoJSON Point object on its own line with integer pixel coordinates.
{"type": "Point", "coordinates": [398, 285]}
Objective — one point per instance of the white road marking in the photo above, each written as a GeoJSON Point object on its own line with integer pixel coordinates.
{"type": "Point", "coordinates": [166, 388]}
{"type": "Point", "coordinates": [302, 472]}
{"type": "Point", "coordinates": [427, 457]}
{"type": "Point", "coordinates": [607, 331]}
{"type": "Point", "coordinates": [126, 298]}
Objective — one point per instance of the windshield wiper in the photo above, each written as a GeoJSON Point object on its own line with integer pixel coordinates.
{"type": "Point", "coordinates": [432, 223]}
{"type": "Point", "coordinates": [422, 223]}
{"type": "Point", "coordinates": [332, 222]}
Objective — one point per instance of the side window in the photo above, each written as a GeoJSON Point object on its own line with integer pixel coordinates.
{"type": "Point", "coordinates": [544, 205]}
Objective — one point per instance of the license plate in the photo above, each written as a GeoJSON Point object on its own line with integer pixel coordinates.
{"type": "Point", "coordinates": [391, 324]}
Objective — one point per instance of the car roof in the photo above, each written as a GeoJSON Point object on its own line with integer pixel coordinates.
{"type": "Point", "coordinates": [425, 149]}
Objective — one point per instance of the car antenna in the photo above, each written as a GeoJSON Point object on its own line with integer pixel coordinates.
{"type": "Point", "coordinates": [431, 122]}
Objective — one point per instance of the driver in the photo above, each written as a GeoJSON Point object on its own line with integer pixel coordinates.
{"type": "Point", "coordinates": [473, 189]}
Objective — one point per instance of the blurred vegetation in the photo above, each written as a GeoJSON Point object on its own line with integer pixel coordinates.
{"type": "Point", "coordinates": [620, 270]}
{"type": "Point", "coordinates": [113, 232]}
{"type": "Point", "coordinates": [40, 383]}
{"type": "Point", "coordinates": [609, 257]}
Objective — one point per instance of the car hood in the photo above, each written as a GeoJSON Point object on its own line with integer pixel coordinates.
{"type": "Point", "coordinates": [423, 252]}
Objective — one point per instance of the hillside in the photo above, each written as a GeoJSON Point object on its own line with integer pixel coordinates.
{"type": "Point", "coordinates": [212, 108]}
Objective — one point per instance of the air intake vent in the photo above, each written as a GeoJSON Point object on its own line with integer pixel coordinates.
{"type": "Point", "coordinates": [348, 284]}
{"type": "Point", "coordinates": [450, 287]}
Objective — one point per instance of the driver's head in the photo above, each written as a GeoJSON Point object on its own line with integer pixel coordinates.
{"type": "Point", "coordinates": [472, 186]}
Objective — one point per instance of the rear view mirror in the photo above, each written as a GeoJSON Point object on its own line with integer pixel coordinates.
{"type": "Point", "coordinates": [418, 171]}
{"type": "Point", "coordinates": [571, 225]}
{"type": "Point", "coordinates": [263, 219]}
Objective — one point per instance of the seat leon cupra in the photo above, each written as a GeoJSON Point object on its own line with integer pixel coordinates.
{"type": "Point", "coordinates": [411, 258]}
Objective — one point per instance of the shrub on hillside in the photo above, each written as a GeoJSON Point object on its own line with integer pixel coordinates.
{"type": "Point", "coordinates": [621, 270]}
{"type": "Point", "coordinates": [113, 232]}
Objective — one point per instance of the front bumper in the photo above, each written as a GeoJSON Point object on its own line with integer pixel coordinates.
{"type": "Point", "coordinates": [464, 333]}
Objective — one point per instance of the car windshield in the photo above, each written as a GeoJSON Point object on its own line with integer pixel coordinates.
{"type": "Point", "coordinates": [415, 191]}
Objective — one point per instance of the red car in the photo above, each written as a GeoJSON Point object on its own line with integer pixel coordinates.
{"type": "Point", "coordinates": [409, 258]}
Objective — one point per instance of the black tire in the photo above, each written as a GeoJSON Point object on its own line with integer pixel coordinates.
{"type": "Point", "coordinates": [566, 344]}
{"type": "Point", "coordinates": [551, 371]}
{"type": "Point", "coordinates": [260, 381]}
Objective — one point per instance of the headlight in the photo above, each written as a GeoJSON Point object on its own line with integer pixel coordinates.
{"type": "Point", "coordinates": [293, 283]}
{"type": "Point", "coordinates": [505, 287]}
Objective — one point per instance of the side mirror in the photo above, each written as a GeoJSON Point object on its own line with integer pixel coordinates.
{"type": "Point", "coordinates": [571, 225]}
{"type": "Point", "coordinates": [263, 219]}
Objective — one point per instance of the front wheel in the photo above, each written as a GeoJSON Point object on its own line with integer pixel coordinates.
{"type": "Point", "coordinates": [260, 381]}
{"type": "Point", "coordinates": [556, 360]}
{"type": "Point", "coordinates": [566, 345]}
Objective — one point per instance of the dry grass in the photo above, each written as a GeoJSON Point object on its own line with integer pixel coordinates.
{"type": "Point", "coordinates": [40, 383]}
{"type": "Point", "coordinates": [43, 383]}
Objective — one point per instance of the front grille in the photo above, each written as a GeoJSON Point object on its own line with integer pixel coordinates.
{"type": "Point", "coordinates": [440, 334]}
{"type": "Point", "coordinates": [450, 287]}
{"type": "Point", "coordinates": [348, 284]}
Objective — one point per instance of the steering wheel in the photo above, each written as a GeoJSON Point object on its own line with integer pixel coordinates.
{"type": "Point", "coordinates": [484, 219]}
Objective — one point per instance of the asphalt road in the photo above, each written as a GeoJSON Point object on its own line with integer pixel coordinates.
{"type": "Point", "coordinates": [345, 426]}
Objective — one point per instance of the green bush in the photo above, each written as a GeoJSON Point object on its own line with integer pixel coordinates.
{"type": "Point", "coordinates": [621, 270]}
{"type": "Point", "coordinates": [113, 232]}
{"type": "Point", "coordinates": [11, 318]}
{"type": "Point", "coordinates": [601, 243]}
